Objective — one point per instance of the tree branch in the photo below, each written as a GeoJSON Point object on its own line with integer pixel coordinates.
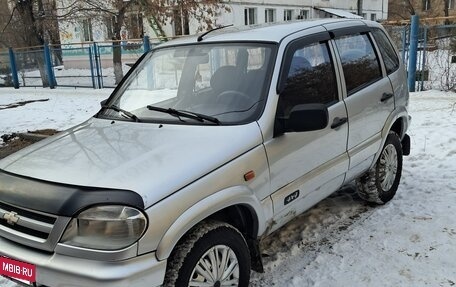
{"type": "Point", "coordinates": [9, 20]}
{"type": "Point", "coordinates": [411, 8]}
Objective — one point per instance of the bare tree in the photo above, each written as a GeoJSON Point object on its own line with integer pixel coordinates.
{"type": "Point", "coordinates": [39, 19]}
{"type": "Point", "coordinates": [162, 12]}
{"type": "Point", "coordinates": [30, 23]}
{"type": "Point", "coordinates": [7, 38]}
{"type": "Point", "coordinates": [28, 13]}
{"type": "Point", "coordinates": [401, 10]}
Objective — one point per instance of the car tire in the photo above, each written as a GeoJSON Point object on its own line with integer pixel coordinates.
{"type": "Point", "coordinates": [380, 183]}
{"type": "Point", "coordinates": [209, 244]}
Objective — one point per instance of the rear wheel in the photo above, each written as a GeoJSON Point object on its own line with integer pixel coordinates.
{"type": "Point", "coordinates": [212, 254]}
{"type": "Point", "coordinates": [379, 184]}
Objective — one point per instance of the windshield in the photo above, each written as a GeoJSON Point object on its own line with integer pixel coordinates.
{"type": "Point", "coordinates": [219, 83]}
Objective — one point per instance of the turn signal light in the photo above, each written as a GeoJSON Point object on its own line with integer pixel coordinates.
{"type": "Point", "coordinates": [249, 175]}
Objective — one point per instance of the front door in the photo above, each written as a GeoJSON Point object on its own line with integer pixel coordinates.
{"type": "Point", "coordinates": [305, 167]}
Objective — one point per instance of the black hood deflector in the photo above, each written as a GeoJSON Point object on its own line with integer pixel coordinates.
{"type": "Point", "coordinates": [60, 199]}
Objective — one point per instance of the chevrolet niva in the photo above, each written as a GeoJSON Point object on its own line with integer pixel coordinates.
{"type": "Point", "coordinates": [208, 144]}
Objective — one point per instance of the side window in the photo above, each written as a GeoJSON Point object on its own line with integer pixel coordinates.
{"type": "Point", "coordinates": [310, 78]}
{"type": "Point", "coordinates": [386, 49]}
{"type": "Point", "coordinates": [359, 61]}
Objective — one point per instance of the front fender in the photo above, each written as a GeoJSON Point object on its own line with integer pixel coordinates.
{"type": "Point", "coordinates": [173, 216]}
{"type": "Point", "coordinates": [237, 195]}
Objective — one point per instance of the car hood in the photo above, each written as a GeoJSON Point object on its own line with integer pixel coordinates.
{"type": "Point", "coordinates": [151, 159]}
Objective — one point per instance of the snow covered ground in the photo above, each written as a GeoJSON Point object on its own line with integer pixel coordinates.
{"type": "Point", "coordinates": [65, 108]}
{"type": "Point", "coordinates": [410, 241]}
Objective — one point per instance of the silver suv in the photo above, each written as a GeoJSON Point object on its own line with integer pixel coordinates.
{"type": "Point", "coordinates": [209, 144]}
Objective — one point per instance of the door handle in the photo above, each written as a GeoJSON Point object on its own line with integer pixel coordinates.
{"type": "Point", "coordinates": [338, 122]}
{"type": "Point", "coordinates": [386, 96]}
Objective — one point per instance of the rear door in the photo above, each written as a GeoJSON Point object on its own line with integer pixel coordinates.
{"type": "Point", "coordinates": [369, 96]}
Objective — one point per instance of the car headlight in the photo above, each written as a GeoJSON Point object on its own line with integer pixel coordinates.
{"type": "Point", "coordinates": [109, 227]}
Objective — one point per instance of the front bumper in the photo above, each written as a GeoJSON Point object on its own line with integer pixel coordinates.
{"type": "Point", "coordinates": [56, 270]}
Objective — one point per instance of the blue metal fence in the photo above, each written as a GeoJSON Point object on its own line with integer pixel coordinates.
{"type": "Point", "coordinates": [68, 65]}
{"type": "Point", "coordinates": [433, 59]}
{"type": "Point", "coordinates": [91, 64]}
{"type": "Point", "coordinates": [417, 55]}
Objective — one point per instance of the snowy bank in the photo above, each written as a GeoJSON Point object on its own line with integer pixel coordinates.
{"type": "Point", "coordinates": [65, 108]}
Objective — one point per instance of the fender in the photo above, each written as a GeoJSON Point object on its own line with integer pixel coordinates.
{"type": "Point", "coordinates": [237, 195]}
{"type": "Point", "coordinates": [400, 112]}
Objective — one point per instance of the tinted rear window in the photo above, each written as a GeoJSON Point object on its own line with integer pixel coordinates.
{"type": "Point", "coordinates": [386, 49]}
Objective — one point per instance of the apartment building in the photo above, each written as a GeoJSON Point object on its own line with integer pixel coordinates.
{"type": "Point", "coordinates": [238, 13]}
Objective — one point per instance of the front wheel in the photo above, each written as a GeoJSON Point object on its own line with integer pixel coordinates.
{"type": "Point", "coordinates": [379, 184]}
{"type": "Point", "coordinates": [212, 254]}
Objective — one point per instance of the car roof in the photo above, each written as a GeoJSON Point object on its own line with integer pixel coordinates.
{"type": "Point", "coordinates": [264, 32]}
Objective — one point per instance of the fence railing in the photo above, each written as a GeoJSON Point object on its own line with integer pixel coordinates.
{"type": "Point", "coordinates": [91, 64]}
{"type": "Point", "coordinates": [68, 65]}
{"type": "Point", "coordinates": [435, 55]}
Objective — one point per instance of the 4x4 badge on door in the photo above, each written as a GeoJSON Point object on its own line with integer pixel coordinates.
{"type": "Point", "coordinates": [291, 197]}
{"type": "Point", "coordinates": [11, 217]}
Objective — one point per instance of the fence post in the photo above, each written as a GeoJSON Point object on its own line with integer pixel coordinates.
{"type": "Point", "coordinates": [91, 67]}
{"type": "Point", "coordinates": [96, 53]}
{"type": "Point", "coordinates": [13, 68]}
{"type": "Point", "coordinates": [146, 41]}
{"type": "Point", "coordinates": [49, 69]}
{"type": "Point", "coordinates": [415, 21]}
{"type": "Point", "coordinates": [423, 64]}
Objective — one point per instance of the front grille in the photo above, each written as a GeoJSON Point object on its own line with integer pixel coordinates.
{"type": "Point", "coordinates": [29, 227]}
{"type": "Point", "coordinates": [32, 215]}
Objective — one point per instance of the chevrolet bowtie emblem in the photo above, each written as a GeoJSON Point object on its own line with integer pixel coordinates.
{"type": "Point", "coordinates": [11, 217]}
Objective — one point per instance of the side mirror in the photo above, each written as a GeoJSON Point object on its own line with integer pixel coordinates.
{"type": "Point", "coordinates": [103, 102]}
{"type": "Point", "coordinates": [304, 118]}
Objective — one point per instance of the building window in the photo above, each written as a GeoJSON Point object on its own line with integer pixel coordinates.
{"type": "Point", "coordinates": [364, 15]}
{"type": "Point", "coordinates": [426, 5]}
{"type": "Point", "coordinates": [269, 15]}
{"type": "Point", "coordinates": [250, 16]}
{"type": "Point", "coordinates": [451, 4]}
{"type": "Point", "coordinates": [87, 30]}
{"type": "Point", "coordinates": [287, 15]}
{"type": "Point", "coordinates": [110, 22]}
{"type": "Point", "coordinates": [181, 23]}
{"type": "Point", "coordinates": [135, 26]}
{"type": "Point", "coordinates": [303, 14]}
{"type": "Point", "coordinates": [374, 17]}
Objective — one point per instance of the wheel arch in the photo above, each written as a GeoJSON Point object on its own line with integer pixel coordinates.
{"type": "Point", "coordinates": [397, 122]}
{"type": "Point", "coordinates": [242, 217]}
{"type": "Point", "coordinates": [237, 206]}
{"type": "Point", "coordinates": [397, 127]}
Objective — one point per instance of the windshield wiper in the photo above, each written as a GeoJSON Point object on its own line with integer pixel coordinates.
{"type": "Point", "coordinates": [125, 113]}
{"type": "Point", "coordinates": [181, 113]}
